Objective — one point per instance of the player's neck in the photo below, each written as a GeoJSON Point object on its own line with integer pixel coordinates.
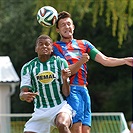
{"type": "Point", "coordinates": [44, 58]}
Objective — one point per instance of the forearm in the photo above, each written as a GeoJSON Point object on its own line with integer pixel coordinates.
{"type": "Point", "coordinates": [75, 67]}
{"type": "Point", "coordinates": [65, 88]}
{"type": "Point", "coordinates": [112, 62]}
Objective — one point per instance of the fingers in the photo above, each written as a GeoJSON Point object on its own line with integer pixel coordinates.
{"type": "Point", "coordinates": [66, 73]}
{"type": "Point", "coordinates": [85, 57]}
{"type": "Point", "coordinates": [29, 96]}
{"type": "Point", "coordinates": [129, 61]}
{"type": "Point", "coordinates": [67, 70]}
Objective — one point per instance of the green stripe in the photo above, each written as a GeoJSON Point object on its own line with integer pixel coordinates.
{"type": "Point", "coordinates": [54, 85]}
{"type": "Point", "coordinates": [51, 103]}
{"type": "Point", "coordinates": [58, 100]}
{"type": "Point", "coordinates": [41, 87]}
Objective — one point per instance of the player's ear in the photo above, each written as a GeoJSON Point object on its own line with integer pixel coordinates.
{"type": "Point", "coordinates": [73, 26]}
{"type": "Point", "coordinates": [52, 48]}
{"type": "Point", "coordinates": [57, 30]}
{"type": "Point", "coordinates": [36, 49]}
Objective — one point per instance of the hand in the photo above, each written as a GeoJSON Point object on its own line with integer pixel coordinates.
{"type": "Point", "coordinates": [85, 57]}
{"type": "Point", "coordinates": [66, 73]}
{"type": "Point", "coordinates": [28, 96]}
{"type": "Point", "coordinates": [129, 61]}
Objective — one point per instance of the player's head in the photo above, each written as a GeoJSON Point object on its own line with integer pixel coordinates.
{"type": "Point", "coordinates": [62, 15]}
{"type": "Point", "coordinates": [64, 24]}
{"type": "Point", "coordinates": [44, 45]}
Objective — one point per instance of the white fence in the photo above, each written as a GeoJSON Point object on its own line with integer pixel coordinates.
{"type": "Point", "coordinates": [101, 123]}
{"type": "Point", "coordinates": [109, 123]}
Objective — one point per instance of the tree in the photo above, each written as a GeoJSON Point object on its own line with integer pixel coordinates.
{"type": "Point", "coordinates": [19, 30]}
{"type": "Point", "coordinates": [118, 13]}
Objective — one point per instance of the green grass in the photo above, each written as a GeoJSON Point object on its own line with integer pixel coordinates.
{"type": "Point", "coordinates": [18, 126]}
{"type": "Point", "coordinates": [104, 126]}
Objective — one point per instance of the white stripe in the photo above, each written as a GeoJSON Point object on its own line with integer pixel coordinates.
{"type": "Point", "coordinates": [51, 87]}
{"type": "Point", "coordinates": [43, 87]}
{"type": "Point", "coordinates": [58, 86]}
{"type": "Point", "coordinates": [37, 86]}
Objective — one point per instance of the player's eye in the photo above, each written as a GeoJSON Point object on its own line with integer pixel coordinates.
{"type": "Point", "coordinates": [62, 25]}
{"type": "Point", "coordinates": [39, 44]}
{"type": "Point", "coordinates": [68, 23]}
{"type": "Point", "coordinates": [46, 44]}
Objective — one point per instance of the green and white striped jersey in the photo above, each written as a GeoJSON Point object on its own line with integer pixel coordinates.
{"type": "Point", "coordinates": [44, 78]}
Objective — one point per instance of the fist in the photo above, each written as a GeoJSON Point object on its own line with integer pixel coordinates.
{"type": "Point", "coordinates": [85, 57]}
{"type": "Point", "coordinates": [66, 73]}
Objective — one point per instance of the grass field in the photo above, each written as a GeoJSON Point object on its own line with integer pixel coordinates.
{"type": "Point", "coordinates": [101, 123]}
{"type": "Point", "coordinates": [97, 127]}
{"type": "Point", "coordinates": [18, 126]}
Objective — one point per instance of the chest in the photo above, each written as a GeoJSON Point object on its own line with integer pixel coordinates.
{"type": "Point", "coordinates": [73, 50]}
{"type": "Point", "coordinates": [46, 73]}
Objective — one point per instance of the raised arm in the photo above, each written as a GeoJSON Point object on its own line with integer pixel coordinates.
{"type": "Point", "coordinates": [76, 66]}
{"type": "Point", "coordinates": [66, 88]}
{"type": "Point", "coordinates": [112, 62]}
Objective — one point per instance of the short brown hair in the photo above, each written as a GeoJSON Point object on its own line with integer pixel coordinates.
{"type": "Point", "coordinates": [62, 15]}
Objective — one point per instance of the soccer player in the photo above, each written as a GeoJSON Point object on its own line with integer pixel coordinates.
{"type": "Point", "coordinates": [72, 49]}
{"type": "Point", "coordinates": [44, 79]}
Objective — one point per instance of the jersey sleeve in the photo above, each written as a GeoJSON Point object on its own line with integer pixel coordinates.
{"type": "Point", "coordinates": [64, 64]}
{"type": "Point", "coordinates": [25, 77]}
{"type": "Point", "coordinates": [91, 50]}
{"type": "Point", "coordinates": [93, 53]}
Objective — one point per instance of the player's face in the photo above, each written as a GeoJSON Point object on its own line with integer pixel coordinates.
{"type": "Point", "coordinates": [65, 28]}
{"type": "Point", "coordinates": [44, 47]}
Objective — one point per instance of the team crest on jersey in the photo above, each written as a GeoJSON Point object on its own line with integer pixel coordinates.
{"type": "Point", "coordinates": [46, 77]}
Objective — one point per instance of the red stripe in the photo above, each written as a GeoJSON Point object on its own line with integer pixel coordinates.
{"type": "Point", "coordinates": [58, 47]}
{"type": "Point", "coordinates": [81, 46]}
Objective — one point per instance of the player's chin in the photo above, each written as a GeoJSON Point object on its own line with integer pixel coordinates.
{"type": "Point", "coordinates": [67, 36]}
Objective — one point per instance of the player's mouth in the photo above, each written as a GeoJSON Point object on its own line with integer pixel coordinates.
{"type": "Point", "coordinates": [44, 50]}
{"type": "Point", "coordinates": [67, 32]}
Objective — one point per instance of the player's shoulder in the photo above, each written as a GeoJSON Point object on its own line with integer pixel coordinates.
{"type": "Point", "coordinates": [31, 62]}
{"type": "Point", "coordinates": [57, 42]}
{"type": "Point", "coordinates": [60, 61]}
{"type": "Point", "coordinates": [84, 41]}
{"type": "Point", "coordinates": [58, 58]}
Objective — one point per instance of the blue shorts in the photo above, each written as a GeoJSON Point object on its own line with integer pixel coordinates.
{"type": "Point", "coordinates": [79, 100]}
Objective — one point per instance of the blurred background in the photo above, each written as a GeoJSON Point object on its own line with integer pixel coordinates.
{"type": "Point", "coordinates": [108, 25]}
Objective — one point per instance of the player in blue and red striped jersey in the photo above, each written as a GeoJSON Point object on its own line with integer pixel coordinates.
{"type": "Point", "coordinates": [72, 49]}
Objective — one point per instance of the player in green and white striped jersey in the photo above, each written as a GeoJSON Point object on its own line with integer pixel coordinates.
{"type": "Point", "coordinates": [44, 80]}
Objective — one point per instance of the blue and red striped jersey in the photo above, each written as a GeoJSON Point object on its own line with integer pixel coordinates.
{"type": "Point", "coordinates": [72, 52]}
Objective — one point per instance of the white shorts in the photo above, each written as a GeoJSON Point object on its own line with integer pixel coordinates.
{"type": "Point", "coordinates": [42, 119]}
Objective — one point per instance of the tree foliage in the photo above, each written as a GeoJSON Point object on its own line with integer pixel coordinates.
{"type": "Point", "coordinates": [117, 13]}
